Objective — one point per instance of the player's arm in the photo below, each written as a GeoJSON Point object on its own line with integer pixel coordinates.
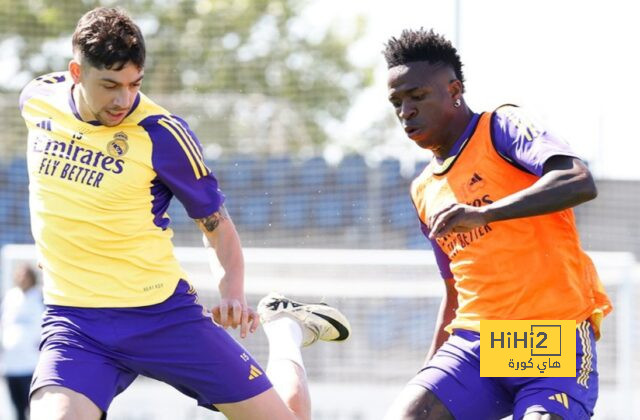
{"type": "Point", "coordinates": [449, 303]}
{"type": "Point", "coordinates": [178, 161]}
{"type": "Point", "coordinates": [446, 314]}
{"type": "Point", "coordinates": [221, 239]}
{"type": "Point", "coordinates": [564, 180]}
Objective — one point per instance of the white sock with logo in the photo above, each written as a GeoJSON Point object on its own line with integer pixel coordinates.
{"type": "Point", "coordinates": [285, 339]}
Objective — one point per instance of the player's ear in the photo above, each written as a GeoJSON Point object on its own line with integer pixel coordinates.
{"type": "Point", "coordinates": [455, 89]}
{"type": "Point", "coordinates": [75, 69]}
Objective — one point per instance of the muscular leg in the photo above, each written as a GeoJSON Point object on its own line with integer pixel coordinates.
{"type": "Point", "coordinates": [289, 398]}
{"type": "Point", "coordinates": [58, 403]}
{"type": "Point", "coordinates": [288, 325]}
{"type": "Point", "coordinates": [416, 402]}
{"type": "Point", "coordinates": [290, 382]}
{"type": "Point", "coordinates": [265, 406]}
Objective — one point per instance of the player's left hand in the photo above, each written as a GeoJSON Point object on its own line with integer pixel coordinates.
{"type": "Point", "coordinates": [235, 313]}
{"type": "Point", "coordinates": [456, 218]}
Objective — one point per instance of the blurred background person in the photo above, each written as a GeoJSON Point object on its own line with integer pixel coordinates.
{"type": "Point", "coordinates": [22, 309]}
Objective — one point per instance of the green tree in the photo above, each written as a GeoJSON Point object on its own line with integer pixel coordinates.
{"type": "Point", "coordinates": [250, 71]}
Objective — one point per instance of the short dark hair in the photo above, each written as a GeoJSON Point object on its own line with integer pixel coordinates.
{"type": "Point", "coordinates": [422, 45]}
{"type": "Point", "coordinates": [108, 38]}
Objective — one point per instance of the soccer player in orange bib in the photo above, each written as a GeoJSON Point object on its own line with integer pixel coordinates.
{"type": "Point", "coordinates": [495, 202]}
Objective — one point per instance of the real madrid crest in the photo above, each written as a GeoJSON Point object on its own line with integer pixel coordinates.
{"type": "Point", "coordinates": [118, 147]}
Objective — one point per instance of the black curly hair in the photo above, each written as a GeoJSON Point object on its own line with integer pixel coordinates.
{"type": "Point", "coordinates": [422, 45]}
{"type": "Point", "coordinates": [108, 38]}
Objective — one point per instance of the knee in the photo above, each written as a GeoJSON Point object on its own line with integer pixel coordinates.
{"type": "Point", "coordinates": [416, 403]}
{"type": "Point", "coordinates": [430, 409]}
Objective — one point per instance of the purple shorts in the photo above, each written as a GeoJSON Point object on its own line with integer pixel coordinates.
{"type": "Point", "coordinates": [98, 352]}
{"type": "Point", "coordinates": [453, 375]}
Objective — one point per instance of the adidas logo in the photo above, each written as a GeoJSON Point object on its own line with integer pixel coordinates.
{"type": "Point", "coordinates": [285, 302]}
{"type": "Point", "coordinates": [561, 398]}
{"type": "Point", "coordinates": [475, 179]}
{"type": "Point", "coordinates": [254, 372]}
{"type": "Point", "coordinates": [44, 124]}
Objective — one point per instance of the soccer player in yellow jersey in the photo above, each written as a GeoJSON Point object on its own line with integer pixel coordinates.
{"type": "Point", "coordinates": [496, 203]}
{"type": "Point", "coordinates": [104, 162]}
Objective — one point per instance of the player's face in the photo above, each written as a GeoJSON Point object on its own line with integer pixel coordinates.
{"type": "Point", "coordinates": [423, 97]}
{"type": "Point", "coordinates": [109, 94]}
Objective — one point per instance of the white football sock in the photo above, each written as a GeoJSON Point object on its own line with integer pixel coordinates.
{"type": "Point", "coordinates": [285, 339]}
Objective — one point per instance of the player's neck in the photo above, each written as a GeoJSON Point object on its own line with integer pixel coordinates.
{"type": "Point", "coordinates": [82, 107]}
{"type": "Point", "coordinates": [458, 126]}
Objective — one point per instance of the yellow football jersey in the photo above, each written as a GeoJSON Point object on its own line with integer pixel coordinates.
{"type": "Point", "coordinates": [98, 197]}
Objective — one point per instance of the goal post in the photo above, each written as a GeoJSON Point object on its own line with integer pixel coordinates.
{"type": "Point", "coordinates": [391, 298]}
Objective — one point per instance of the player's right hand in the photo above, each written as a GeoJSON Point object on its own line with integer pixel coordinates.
{"type": "Point", "coordinates": [235, 313]}
{"type": "Point", "coordinates": [456, 218]}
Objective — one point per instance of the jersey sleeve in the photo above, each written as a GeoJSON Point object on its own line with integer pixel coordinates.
{"type": "Point", "coordinates": [523, 142]}
{"type": "Point", "coordinates": [42, 85]}
{"type": "Point", "coordinates": [441, 258]}
{"type": "Point", "coordinates": [178, 162]}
